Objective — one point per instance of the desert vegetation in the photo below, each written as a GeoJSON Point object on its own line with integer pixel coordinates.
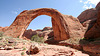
{"type": "Point", "coordinates": [36, 38]}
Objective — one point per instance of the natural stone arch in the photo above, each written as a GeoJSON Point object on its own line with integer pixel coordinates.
{"type": "Point", "coordinates": [62, 27]}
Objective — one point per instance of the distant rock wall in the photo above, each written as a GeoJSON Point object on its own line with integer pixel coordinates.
{"type": "Point", "coordinates": [46, 32]}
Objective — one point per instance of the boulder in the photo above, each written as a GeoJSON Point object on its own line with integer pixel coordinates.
{"type": "Point", "coordinates": [29, 33]}
{"type": "Point", "coordinates": [88, 14]}
{"type": "Point", "coordinates": [94, 32]}
{"type": "Point", "coordinates": [33, 49]}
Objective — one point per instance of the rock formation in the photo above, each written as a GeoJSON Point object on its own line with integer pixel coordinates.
{"type": "Point", "coordinates": [64, 26]}
{"type": "Point", "coordinates": [87, 15]}
{"type": "Point", "coordinates": [88, 18]}
{"type": "Point", "coordinates": [22, 47]}
{"type": "Point", "coordinates": [33, 49]}
{"type": "Point", "coordinates": [90, 21]}
{"type": "Point", "coordinates": [28, 34]}
{"type": "Point", "coordinates": [94, 32]}
{"type": "Point", "coordinates": [92, 46]}
{"type": "Point", "coordinates": [98, 6]}
{"type": "Point", "coordinates": [3, 29]}
{"type": "Point", "coordinates": [92, 28]}
{"type": "Point", "coordinates": [45, 32]}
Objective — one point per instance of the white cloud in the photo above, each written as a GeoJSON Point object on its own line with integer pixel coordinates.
{"type": "Point", "coordinates": [14, 12]}
{"type": "Point", "coordinates": [88, 3]}
{"type": "Point", "coordinates": [87, 7]}
{"type": "Point", "coordinates": [81, 1]}
{"type": "Point", "coordinates": [95, 2]}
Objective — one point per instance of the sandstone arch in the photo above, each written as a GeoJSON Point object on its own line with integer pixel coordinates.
{"type": "Point", "coordinates": [64, 26]}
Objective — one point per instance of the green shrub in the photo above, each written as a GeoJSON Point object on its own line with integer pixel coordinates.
{"type": "Point", "coordinates": [36, 38]}
{"type": "Point", "coordinates": [17, 36]}
{"type": "Point", "coordinates": [22, 53]}
{"type": "Point", "coordinates": [24, 48]}
{"type": "Point", "coordinates": [1, 34]}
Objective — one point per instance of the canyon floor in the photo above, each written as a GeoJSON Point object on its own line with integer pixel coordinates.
{"type": "Point", "coordinates": [19, 47]}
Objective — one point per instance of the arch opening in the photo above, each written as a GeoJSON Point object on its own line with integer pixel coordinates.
{"type": "Point", "coordinates": [41, 26]}
{"type": "Point", "coordinates": [40, 22]}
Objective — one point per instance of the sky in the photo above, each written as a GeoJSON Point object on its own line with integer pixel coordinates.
{"type": "Point", "coordinates": [9, 9]}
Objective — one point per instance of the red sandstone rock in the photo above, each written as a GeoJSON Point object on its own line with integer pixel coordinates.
{"type": "Point", "coordinates": [93, 47]}
{"type": "Point", "coordinates": [51, 34]}
{"type": "Point", "coordinates": [11, 40]}
{"type": "Point", "coordinates": [38, 30]}
{"type": "Point", "coordinates": [62, 24]}
{"type": "Point", "coordinates": [47, 28]}
{"type": "Point", "coordinates": [46, 50]}
{"type": "Point", "coordinates": [28, 34]}
{"type": "Point", "coordinates": [90, 21]}
{"type": "Point", "coordinates": [98, 6]}
{"type": "Point", "coordinates": [94, 32]}
{"type": "Point", "coordinates": [88, 14]}
{"type": "Point", "coordinates": [89, 24]}
{"type": "Point", "coordinates": [63, 29]}
{"type": "Point", "coordinates": [41, 33]}
{"type": "Point", "coordinates": [33, 49]}
{"type": "Point", "coordinates": [3, 29]}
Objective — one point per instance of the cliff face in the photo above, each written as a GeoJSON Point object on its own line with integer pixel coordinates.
{"type": "Point", "coordinates": [90, 20]}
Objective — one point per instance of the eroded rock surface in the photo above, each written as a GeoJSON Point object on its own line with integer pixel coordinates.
{"type": "Point", "coordinates": [64, 26]}
{"type": "Point", "coordinates": [94, 32]}
{"type": "Point", "coordinates": [98, 6]}
{"type": "Point", "coordinates": [88, 14]}
{"type": "Point", "coordinates": [45, 32]}
{"type": "Point", "coordinates": [30, 48]}
{"type": "Point", "coordinates": [90, 21]}
{"type": "Point", "coordinates": [3, 29]}
{"type": "Point", "coordinates": [91, 46]}
{"type": "Point", "coordinates": [33, 49]}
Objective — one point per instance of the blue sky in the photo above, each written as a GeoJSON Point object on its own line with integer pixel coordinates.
{"type": "Point", "coordinates": [9, 9]}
